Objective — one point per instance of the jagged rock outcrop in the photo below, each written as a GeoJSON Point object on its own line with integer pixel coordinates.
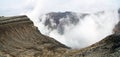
{"type": "Point", "coordinates": [20, 38]}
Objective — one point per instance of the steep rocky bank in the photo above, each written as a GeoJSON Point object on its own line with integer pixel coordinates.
{"type": "Point", "coordinates": [20, 38]}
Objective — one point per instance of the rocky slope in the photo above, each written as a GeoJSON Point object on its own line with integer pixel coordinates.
{"type": "Point", "coordinates": [108, 47]}
{"type": "Point", "coordinates": [20, 38]}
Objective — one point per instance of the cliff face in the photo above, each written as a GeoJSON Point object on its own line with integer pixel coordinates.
{"type": "Point", "coordinates": [20, 38]}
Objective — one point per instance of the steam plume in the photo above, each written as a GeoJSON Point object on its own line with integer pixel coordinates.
{"type": "Point", "coordinates": [89, 30]}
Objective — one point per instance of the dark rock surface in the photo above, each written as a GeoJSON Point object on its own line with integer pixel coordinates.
{"type": "Point", "coordinates": [117, 28]}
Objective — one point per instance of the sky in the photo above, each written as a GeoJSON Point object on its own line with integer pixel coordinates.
{"type": "Point", "coordinates": [16, 7]}
{"type": "Point", "coordinates": [12, 7]}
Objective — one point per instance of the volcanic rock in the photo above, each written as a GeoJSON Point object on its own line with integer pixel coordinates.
{"type": "Point", "coordinates": [20, 38]}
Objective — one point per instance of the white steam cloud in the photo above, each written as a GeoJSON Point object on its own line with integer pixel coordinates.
{"type": "Point", "coordinates": [89, 30]}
